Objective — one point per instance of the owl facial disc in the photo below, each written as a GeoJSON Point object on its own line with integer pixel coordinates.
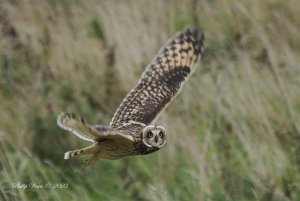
{"type": "Point", "coordinates": [154, 136]}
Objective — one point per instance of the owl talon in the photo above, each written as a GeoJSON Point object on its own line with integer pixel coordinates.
{"type": "Point", "coordinates": [86, 162]}
{"type": "Point", "coordinates": [91, 160]}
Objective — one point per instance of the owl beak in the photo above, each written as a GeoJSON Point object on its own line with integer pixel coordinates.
{"type": "Point", "coordinates": [156, 139]}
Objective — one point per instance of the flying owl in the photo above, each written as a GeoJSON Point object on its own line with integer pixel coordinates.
{"type": "Point", "coordinates": [131, 130]}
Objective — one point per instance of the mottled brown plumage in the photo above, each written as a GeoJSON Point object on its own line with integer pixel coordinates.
{"type": "Point", "coordinates": [130, 132]}
{"type": "Point", "coordinates": [162, 79]}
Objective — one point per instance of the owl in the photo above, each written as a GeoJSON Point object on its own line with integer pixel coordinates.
{"type": "Point", "coordinates": [132, 130]}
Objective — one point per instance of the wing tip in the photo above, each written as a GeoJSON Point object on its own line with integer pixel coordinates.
{"type": "Point", "coordinates": [63, 121]}
{"type": "Point", "coordinates": [196, 32]}
{"type": "Point", "coordinates": [197, 35]}
{"type": "Point", "coordinates": [59, 120]}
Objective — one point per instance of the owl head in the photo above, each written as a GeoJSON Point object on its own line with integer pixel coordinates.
{"type": "Point", "coordinates": [154, 136]}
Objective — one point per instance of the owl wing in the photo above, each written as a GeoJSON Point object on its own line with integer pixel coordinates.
{"type": "Point", "coordinates": [162, 80]}
{"type": "Point", "coordinates": [92, 133]}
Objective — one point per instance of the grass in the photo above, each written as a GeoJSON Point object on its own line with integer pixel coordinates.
{"type": "Point", "coordinates": [233, 131]}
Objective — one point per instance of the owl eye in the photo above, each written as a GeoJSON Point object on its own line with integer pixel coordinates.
{"type": "Point", "coordinates": [160, 134]}
{"type": "Point", "coordinates": [150, 134]}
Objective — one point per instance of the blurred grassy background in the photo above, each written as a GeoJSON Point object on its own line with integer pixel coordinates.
{"type": "Point", "coordinates": [233, 132]}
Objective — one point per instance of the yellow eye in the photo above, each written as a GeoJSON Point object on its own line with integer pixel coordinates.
{"type": "Point", "coordinates": [150, 134]}
{"type": "Point", "coordinates": [160, 134]}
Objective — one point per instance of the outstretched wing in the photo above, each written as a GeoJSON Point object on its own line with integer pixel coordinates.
{"type": "Point", "coordinates": [91, 133]}
{"type": "Point", "coordinates": [162, 79]}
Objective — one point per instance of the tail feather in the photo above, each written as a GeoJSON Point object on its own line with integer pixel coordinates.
{"type": "Point", "coordinates": [71, 154]}
{"type": "Point", "coordinates": [85, 151]}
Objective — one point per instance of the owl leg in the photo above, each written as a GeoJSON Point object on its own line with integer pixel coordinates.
{"type": "Point", "coordinates": [88, 150]}
{"type": "Point", "coordinates": [92, 160]}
